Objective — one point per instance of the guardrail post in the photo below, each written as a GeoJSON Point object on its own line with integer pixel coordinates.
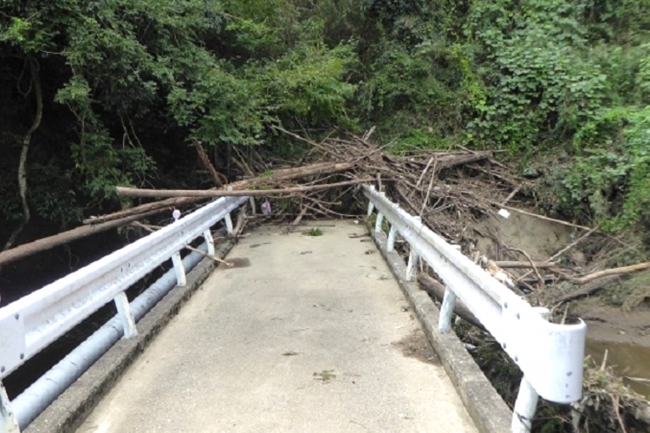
{"type": "Point", "coordinates": [446, 311]}
{"type": "Point", "coordinates": [124, 311]}
{"type": "Point", "coordinates": [525, 407]}
{"type": "Point", "coordinates": [181, 279]}
{"type": "Point", "coordinates": [414, 258]}
{"type": "Point", "coordinates": [229, 227]}
{"type": "Point", "coordinates": [207, 235]}
{"type": "Point", "coordinates": [252, 203]}
{"type": "Point", "coordinates": [527, 398]}
{"type": "Point", "coordinates": [390, 245]}
{"type": "Point", "coordinates": [371, 208]}
{"type": "Point", "coordinates": [378, 222]}
{"type": "Point", "coordinates": [8, 422]}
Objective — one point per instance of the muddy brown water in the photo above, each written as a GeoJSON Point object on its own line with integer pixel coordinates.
{"type": "Point", "coordinates": [630, 360]}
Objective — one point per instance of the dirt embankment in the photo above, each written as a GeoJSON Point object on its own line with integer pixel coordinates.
{"type": "Point", "coordinates": [617, 314]}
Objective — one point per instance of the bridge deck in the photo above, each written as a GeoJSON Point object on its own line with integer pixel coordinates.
{"type": "Point", "coordinates": [311, 337]}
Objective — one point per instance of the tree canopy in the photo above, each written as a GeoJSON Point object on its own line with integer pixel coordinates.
{"type": "Point", "coordinates": [95, 94]}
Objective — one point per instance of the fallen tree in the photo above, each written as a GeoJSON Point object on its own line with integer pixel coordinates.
{"type": "Point", "coordinates": [50, 242]}
{"type": "Point", "coordinates": [136, 192]}
{"type": "Point", "coordinates": [148, 209]}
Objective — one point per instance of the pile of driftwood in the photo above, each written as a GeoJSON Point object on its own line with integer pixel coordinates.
{"type": "Point", "coordinates": [448, 189]}
{"type": "Point", "coordinates": [323, 184]}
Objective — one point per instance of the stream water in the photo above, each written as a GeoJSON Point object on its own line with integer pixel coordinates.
{"type": "Point", "coordinates": [630, 360]}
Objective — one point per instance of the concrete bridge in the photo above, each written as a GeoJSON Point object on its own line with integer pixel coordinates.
{"type": "Point", "coordinates": [301, 334]}
{"type": "Point", "coordinates": [308, 334]}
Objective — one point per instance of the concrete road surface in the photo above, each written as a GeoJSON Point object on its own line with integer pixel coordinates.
{"type": "Point", "coordinates": [306, 334]}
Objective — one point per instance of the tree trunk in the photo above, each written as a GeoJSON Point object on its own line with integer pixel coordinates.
{"type": "Point", "coordinates": [135, 192]}
{"type": "Point", "coordinates": [159, 206]}
{"type": "Point", "coordinates": [50, 242]}
{"type": "Point", "coordinates": [22, 164]}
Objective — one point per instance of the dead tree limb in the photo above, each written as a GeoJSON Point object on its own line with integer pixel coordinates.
{"type": "Point", "coordinates": [160, 206]}
{"type": "Point", "coordinates": [542, 217]}
{"type": "Point", "coordinates": [451, 160]}
{"type": "Point", "coordinates": [135, 192]}
{"type": "Point", "coordinates": [241, 221]}
{"type": "Point", "coordinates": [50, 242]}
{"type": "Point", "coordinates": [216, 177]}
{"type": "Point", "coordinates": [298, 137]}
{"type": "Point", "coordinates": [278, 175]}
{"type": "Point", "coordinates": [294, 173]}
{"type": "Point", "coordinates": [589, 288]}
{"type": "Point", "coordinates": [600, 274]}
{"type": "Point", "coordinates": [532, 265]}
{"type": "Point", "coordinates": [513, 264]}
{"type": "Point", "coordinates": [573, 244]}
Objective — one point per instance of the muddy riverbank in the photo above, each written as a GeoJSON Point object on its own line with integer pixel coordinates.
{"type": "Point", "coordinates": [624, 335]}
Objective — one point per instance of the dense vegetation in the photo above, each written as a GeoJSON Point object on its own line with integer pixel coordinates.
{"type": "Point", "coordinates": [106, 92]}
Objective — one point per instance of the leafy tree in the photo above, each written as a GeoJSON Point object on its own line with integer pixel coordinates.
{"type": "Point", "coordinates": [125, 85]}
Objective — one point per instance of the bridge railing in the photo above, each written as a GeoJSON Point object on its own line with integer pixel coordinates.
{"type": "Point", "coordinates": [550, 355]}
{"type": "Point", "coordinates": [33, 322]}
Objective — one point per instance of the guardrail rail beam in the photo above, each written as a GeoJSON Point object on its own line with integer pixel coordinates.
{"type": "Point", "coordinates": [33, 322]}
{"type": "Point", "coordinates": [550, 355]}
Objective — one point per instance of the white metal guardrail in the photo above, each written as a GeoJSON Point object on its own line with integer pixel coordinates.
{"type": "Point", "coordinates": [32, 323]}
{"type": "Point", "coordinates": [550, 355]}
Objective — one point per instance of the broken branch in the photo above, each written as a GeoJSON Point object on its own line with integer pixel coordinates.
{"type": "Point", "coordinates": [135, 192]}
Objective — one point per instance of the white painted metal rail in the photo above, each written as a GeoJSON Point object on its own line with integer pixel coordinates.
{"type": "Point", "coordinates": [32, 323]}
{"type": "Point", "coordinates": [550, 355]}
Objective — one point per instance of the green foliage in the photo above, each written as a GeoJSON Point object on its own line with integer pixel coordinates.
{"type": "Point", "coordinates": [412, 98]}
{"type": "Point", "coordinates": [613, 176]}
{"type": "Point", "coordinates": [308, 83]}
{"type": "Point", "coordinates": [543, 83]}
{"type": "Point", "coordinates": [314, 231]}
{"type": "Point", "coordinates": [218, 73]}
{"type": "Point", "coordinates": [128, 83]}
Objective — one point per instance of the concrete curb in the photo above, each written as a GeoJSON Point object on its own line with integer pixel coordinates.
{"type": "Point", "coordinates": [486, 408]}
{"type": "Point", "coordinates": [69, 410]}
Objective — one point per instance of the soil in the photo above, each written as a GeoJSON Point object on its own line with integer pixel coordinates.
{"type": "Point", "coordinates": [539, 238]}
{"type": "Point", "coordinates": [611, 324]}
{"type": "Point", "coordinates": [416, 345]}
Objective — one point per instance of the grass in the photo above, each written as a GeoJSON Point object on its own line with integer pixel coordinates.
{"type": "Point", "coordinates": [315, 231]}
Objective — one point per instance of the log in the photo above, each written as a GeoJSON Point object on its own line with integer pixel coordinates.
{"type": "Point", "coordinates": [278, 175]}
{"type": "Point", "coordinates": [512, 265]}
{"type": "Point", "coordinates": [160, 206]}
{"type": "Point", "coordinates": [600, 274]}
{"type": "Point", "coordinates": [437, 289]}
{"type": "Point", "coordinates": [449, 161]}
{"type": "Point", "coordinates": [587, 290]}
{"type": "Point", "coordinates": [50, 242]}
{"type": "Point", "coordinates": [205, 160]}
{"type": "Point", "coordinates": [294, 173]}
{"type": "Point", "coordinates": [135, 192]}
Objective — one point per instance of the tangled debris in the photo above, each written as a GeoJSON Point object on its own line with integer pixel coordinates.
{"type": "Point", "coordinates": [451, 190]}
